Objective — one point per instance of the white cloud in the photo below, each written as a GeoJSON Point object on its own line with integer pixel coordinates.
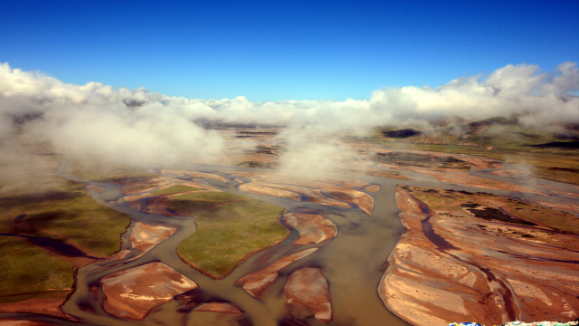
{"type": "Point", "coordinates": [508, 90]}
{"type": "Point", "coordinates": [95, 118]}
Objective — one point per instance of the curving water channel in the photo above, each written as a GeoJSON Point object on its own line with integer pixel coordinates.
{"type": "Point", "coordinates": [353, 262]}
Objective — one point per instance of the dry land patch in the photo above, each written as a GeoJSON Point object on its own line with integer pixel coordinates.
{"type": "Point", "coordinates": [477, 256]}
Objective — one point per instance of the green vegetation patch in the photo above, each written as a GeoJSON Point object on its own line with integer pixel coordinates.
{"type": "Point", "coordinates": [53, 211]}
{"type": "Point", "coordinates": [451, 200]}
{"type": "Point", "coordinates": [228, 233]}
{"type": "Point", "coordinates": [65, 211]}
{"type": "Point", "coordinates": [29, 271]}
{"type": "Point", "coordinates": [550, 163]}
{"type": "Point", "coordinates": [190, 203]}
{"type": "Point", "coordinates": [173, 190]}
{"type": "Point", "coordinates": [50, 207]}
{"type": "Point", "coordinates": [438, 199]}
{"type": "Point", "coordinates": [549, 217]}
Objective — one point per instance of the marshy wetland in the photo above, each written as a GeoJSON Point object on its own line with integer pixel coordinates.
{"type": "Point", "coordinates": [389, 236]}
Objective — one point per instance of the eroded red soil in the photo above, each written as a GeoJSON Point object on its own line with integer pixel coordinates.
{"type": "Point", "coordinates": [145, 236]}
{"type": "Point", "coordinates": [220, 307]}
{"type": "Point", "coordinates": [307, 294]}
{"type": "Point", "coordinates": [468, 270]}
{"type": "Point", "coordinates": [255, 283]}
{"type": "Point", "coordinates": [133, 292]}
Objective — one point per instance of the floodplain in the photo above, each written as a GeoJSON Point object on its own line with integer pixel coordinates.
{"type": "Point", "coordinates": [403, 228]}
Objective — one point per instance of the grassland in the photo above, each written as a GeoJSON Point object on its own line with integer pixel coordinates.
{"type": "Point", "coordinates": [549, 151]}
{"type": "Point", "coordinates": [450, 200]}
{"type": "Point", "coordinates": [173, 190]}
{"type": "Point", "coordinates": [229, 232]}
{"type": "Point", "coordinates": [39, 210]}
{"type": "Point", "coordinates": [27, 272]}
{"type": "Point", "coordinates": [191, 203]}
{"type": "Point", "coordinates": [557, 165]}
{"type": "Point", "coordinates": [66, 212]}
{"type": "Point", "coordinates": [50, 207]}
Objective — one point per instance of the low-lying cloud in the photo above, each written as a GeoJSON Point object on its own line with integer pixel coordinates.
{"type": "Point", "coordinates": [139, 125]}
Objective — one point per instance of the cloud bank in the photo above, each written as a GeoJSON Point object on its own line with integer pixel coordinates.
{"type": "Point", "coordinates": [139, 125]}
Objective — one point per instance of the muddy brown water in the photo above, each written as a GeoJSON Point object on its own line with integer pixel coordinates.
{"type": "Point", "coordinates": [353, 262]}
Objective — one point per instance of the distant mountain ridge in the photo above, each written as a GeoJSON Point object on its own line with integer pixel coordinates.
{"type": "Point", "coordinates": [497, 131]}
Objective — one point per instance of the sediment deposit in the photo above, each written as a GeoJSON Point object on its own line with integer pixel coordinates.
{"type": "Point", "coordinates": [260, 188]}
{"type": "Point", "coordinates": [316, 192]}
{"type": "Point", "coordinates": [307, 294]}
{"type": "Point", "coordinates": [255, 283]}
{"type": "Point", "coordinates": [133, 292]}
{"type": "Point", "coordinates": [451, 267]}
{"type": "Point", "coordinates": [311, 227]}
{"type": "Point", "coordinates": [220, 307]}
{"type": "Point", "coordinates": [145, 236]}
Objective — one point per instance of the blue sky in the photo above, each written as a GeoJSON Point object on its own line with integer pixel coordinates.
{"type": "Point", "coordinates": [282, 50]}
